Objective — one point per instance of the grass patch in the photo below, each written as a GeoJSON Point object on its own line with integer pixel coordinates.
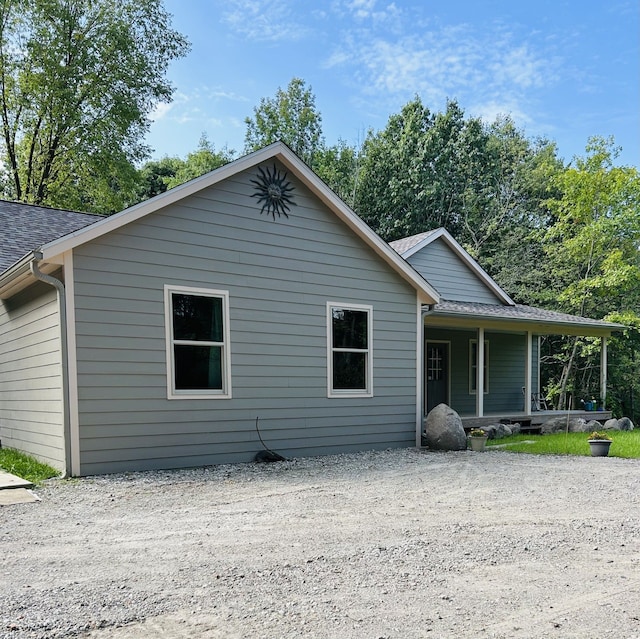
{"type": "Point", "coordinates": [23, 465]}
{"type": "Point", "coordinates": [625, 444]}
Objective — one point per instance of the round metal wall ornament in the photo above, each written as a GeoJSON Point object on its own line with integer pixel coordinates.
{"type": "Point", "coordinates": [273, 192]}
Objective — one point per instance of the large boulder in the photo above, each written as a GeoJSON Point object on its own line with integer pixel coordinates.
{"type": "Point", "coordinates": [443, 429]}
{"type": "Point", "coordinates": [559, 425]}
{"type": "Point", "coordinates": [624, 423]}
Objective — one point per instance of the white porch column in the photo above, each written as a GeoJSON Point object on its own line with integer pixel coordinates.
{"type": "Point", "coordinates": [480, 374]}
{"type": "Point", "coordinates": [603, 371]}
{"type": "Point", "coordinates": [528, 364]}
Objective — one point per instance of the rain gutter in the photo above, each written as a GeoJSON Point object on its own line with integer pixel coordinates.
{"type": "Point", "coordinates": [64, 355]}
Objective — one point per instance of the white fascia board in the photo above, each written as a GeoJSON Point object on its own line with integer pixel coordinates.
{"type": "Point", "coordinates": [466, 258]}
{"type": "Point", "coordinates": [426, 293]}
{"type": "Point", "coordinates": [52, 250]}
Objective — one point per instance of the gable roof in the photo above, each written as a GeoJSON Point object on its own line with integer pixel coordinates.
{"type": "Point", "coordinates": [26, 227]}
{"type": "Point", "coordinates": [52, 250]}
{"type": "Point", "coordinates": [408, 246]}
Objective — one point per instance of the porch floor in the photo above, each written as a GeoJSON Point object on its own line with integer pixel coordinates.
{"type": "Point", "coordinates": [533, 422]}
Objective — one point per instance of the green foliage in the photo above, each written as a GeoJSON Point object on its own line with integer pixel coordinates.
{"type": "Point", "coordinates": [338, 166]}
{"type": "Point", "coordinates": [592, 254]}
{"type": "Point", "coordinates": [77, 81]}
{"type": "Point", "coordinates": [623, 396]}
{"type": "Point", "coordinates": [594, 241]}
{"type": "Point", "coordinates": [625, 444]}
{"type": "Point", "coordinates": [157, 176]}
{"type": "Point", "coordinates": [25, 466]}
{"type": "Point", "coordinates": [290, 117]}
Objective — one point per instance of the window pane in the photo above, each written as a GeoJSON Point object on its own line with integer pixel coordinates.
{"type": "Point", "coordinates": [198, 367]}
{"type": "Point", "coordinates": [197, 318]}
{"type": "Point", "coordinates": [349, 371]}
{"type": "Point", "coordinates": [349, 328]}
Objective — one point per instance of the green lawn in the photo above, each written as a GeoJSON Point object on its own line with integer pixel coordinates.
{"type": "Point", "coordinates": [25, 466]}
{"type": "Point", "coordinates": [625, 444]}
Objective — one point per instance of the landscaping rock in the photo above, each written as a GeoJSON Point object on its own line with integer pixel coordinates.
{"type": "Point", "coordinates": [611, 424]}
{"type": "Point", "coordinates": [559, 425]}
{"type": "Point", "coordinates": [516, 428]}
{"type": "Point", "coordinates": [503, 430]}
{"type": "Point", "coordinates": [443, 429]}
{"type": "Point", "coordinates": [624, 423]}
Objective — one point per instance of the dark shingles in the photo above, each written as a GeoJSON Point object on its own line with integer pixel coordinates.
{"type": "Point", "coordinates": [24, 228]}
{"type": "Point", "coordinates": [517, 312]}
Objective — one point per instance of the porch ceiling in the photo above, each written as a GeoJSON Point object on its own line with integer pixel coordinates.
{"type": "Point", "coordinates": [517, 318]}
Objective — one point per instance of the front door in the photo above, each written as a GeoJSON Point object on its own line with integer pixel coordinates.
{"type": "Point", "coordinates": [436, 374]}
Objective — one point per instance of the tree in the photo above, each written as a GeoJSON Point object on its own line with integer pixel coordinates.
{"type": "Point", "coordinates": [593, 248]}
{"type": "Point", "coordinates": [204, 159]}
{"type": "Point", "coordinates": [290, 117]}
{"type": "Point", "coordinates": [415, 172]}
{"type": "Point", "coordinates": [156, 176]}
{"type": "Point", "coordinates": [338, 166]}
{"type": "Point", "coordinates": [78, 79]}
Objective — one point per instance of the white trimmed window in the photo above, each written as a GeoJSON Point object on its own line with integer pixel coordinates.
{"type": "Point", "coordinates": [350, 350]}
{"type": "Point", "coordinates": [197, 327]}
{"type": "Point", "coordinates": [473, 366]}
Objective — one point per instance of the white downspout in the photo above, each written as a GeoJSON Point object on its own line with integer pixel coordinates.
{"type": "Point", "coordinates": [62, 310]}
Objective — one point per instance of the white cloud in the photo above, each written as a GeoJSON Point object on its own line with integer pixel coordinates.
{"type": "Point", "coordinates": [492, 68]}
{"type": "Point", "coordinates": [264, 20]}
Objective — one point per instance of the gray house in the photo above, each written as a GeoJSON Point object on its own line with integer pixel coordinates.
{"type": "Point", "coordinates": [156, 337]}
{"type": "Point", "coordinates": [250, 298]}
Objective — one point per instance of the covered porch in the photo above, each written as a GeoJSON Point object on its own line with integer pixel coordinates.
{"type": "Point", "coordinates": [483, 360]}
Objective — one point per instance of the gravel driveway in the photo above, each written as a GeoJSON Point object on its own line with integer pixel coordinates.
{"type": "Point", "coordinates": [401, 544]}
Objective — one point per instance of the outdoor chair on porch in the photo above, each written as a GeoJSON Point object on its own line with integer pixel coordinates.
{"type": "Point", "coordinates": [538, 401]}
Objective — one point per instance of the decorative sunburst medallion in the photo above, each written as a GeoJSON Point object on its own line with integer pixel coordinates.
{"type": "Point", "coordinates": [273, 192]}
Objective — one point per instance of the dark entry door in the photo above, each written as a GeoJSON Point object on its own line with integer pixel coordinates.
{"type": "Point", "coordinates": [436, 374]}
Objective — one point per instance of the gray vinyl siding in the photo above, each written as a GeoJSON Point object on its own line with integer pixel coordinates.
{"type": "Point", "coordinates": [280, 275]}
{"type": "Point", "coordinates": [30, 375]}
{"type": "Point", "coordinates": [506, 374]}
{"type": "Point", "coordinates": [449, 275]}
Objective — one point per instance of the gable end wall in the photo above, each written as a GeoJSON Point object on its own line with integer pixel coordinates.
{"type": "Point", "coordinates": [280, 274]}
{"type": "Point", "coordinates": [450, 276]}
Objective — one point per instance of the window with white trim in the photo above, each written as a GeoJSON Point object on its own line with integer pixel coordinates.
{"type": "Point", "coordinates": [350, 352]}
{"type": "Point", "coordinates": [473, 366]}
{"type": "Point", "coordinates": [197, 326]}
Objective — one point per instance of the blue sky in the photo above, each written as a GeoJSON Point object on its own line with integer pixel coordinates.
{"type": "Point", "coordinates": [563, 69]}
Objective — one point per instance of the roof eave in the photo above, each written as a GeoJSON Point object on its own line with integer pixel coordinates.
{"type": "Point", "coordinates": [546, 327]}
{"type": "Point", "coordinates": [16, 277]}
{"type": "Point", "coordinates": [425, 292]}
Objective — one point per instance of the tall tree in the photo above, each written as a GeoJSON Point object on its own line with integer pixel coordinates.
{"type": "Point", "coordinates": [291, 116]}
{"type": "Point", "coordinates": [78, 79]}
{"type": "Point", "coordinates": [412, 173]}
{"type": "Point", "coordinates": [593, 247]}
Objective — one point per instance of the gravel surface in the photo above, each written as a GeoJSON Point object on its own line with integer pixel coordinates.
{"type": "Point", "coordinates": [401, 544]}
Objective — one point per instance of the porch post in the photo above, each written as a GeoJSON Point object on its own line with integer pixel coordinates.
{"type": "Point", "coordinates": [480, 375]}
{"type": "Point", "coordinates": [603, 371]}
{"type": "Point", "coordinates": [528, 364]}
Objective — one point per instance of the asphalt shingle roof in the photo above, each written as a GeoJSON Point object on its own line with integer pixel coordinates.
{"type": "Point", "coordinates": [404, 244]}
{"type": "Point", "coordinates": [24, 228]}
{"type": "Point", "coordinates": [517, 312]}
